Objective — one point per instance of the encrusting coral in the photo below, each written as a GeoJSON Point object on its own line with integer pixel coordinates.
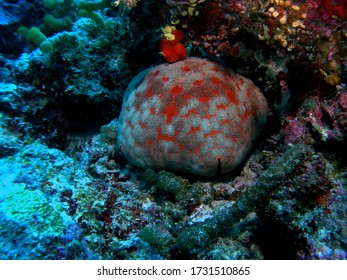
{"type": "Point", "coordinates": [193, 116]}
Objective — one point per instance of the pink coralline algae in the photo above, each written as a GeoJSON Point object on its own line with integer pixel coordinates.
{"type": "Point", "coordinates": [319, 121]}
{"type": "Point", "coordinates": [192, 116]}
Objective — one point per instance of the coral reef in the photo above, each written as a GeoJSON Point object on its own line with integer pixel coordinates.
{"type": "Point", "coordinates": [33, 183]}
{"type": "Point", "coordinates": [230, 214]}
{"type": "Point", "coordinates": [68, 192]}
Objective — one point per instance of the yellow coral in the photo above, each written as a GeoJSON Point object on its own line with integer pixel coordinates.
{"type": "Point", "coordinates": [167, 32]}
{"type": "Point", "coordinates": [332, 79]}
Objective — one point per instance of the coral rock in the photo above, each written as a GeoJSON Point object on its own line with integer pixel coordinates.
{"type": "Point", "coordinates": [192, 116]}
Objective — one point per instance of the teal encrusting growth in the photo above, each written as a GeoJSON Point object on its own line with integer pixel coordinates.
{"type": "Point", "coordinates": [30, 210]}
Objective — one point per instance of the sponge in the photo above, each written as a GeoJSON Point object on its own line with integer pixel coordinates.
{"type": "Point", "coordinates": [34, 34]}
{"type": "Point", "coordinates": [55, 24]}
{"type": "Point", "coordinates": [46, 46]}
{"type": "Point", "coordinates": [51, 4]}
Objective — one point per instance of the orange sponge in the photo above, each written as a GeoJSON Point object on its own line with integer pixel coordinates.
{"type": "Point", "coordinates": [173, 50]}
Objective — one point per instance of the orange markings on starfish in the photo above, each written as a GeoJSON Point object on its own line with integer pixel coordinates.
{"type": "Point", "coordinates": [198, 82]}
{"type": "Point", "coordinates": [187, 97]}
{"type": "Point", "coordinates": [209, 116]}
{"type": "Point", "coordinates": [165, 137]}
{"type": "Point", "coordinates": [185, 68]}
{"type": "Point", "coordinates": [176, 89]}
{"type": "Point", "coordinates": [213, 133]}
{"type": "Point", "coordinates": [155, 73]}
{"type": "Point", "coordinates": [161, 95]}
{"type": "Point", "coordinates": [149, 93]}
{"type": "Point", "coordinates": [216, 80]}
{"type": "Point", "coordinates": [221, 107]}
{"type": "Point", "coordinates": [246, 114]}
{"type": "Point", "coordinates": [225, 122]}
{"type": "Point", "coordinates": [143, 125]}
{"type": "Point", "coordinates": [204, 99]}
{"type": "Point", "coordinates": [194, 129]}
{"type": "Point", "coordinates": [193, 111]}
{"type": "Point", "coordinates": [170, 112]}
{"type": "Point", "coordinates": [249, 93]}
{"type": "Point", "coordinates": [238, 86]}
{"type": "Point", "coordinates": [232, 96]}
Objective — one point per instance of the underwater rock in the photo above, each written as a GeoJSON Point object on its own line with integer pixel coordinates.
{"type": "Point", "coordinates": [9, 142]}
{"type": "Point", "coordinates": [37, 220]}
{"type": "Point", "coordinates": [174, 184]}
{"type": "Point", "coordinates": [95, 153]}
{"type": "Point", "coordinates": [193, 116]}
